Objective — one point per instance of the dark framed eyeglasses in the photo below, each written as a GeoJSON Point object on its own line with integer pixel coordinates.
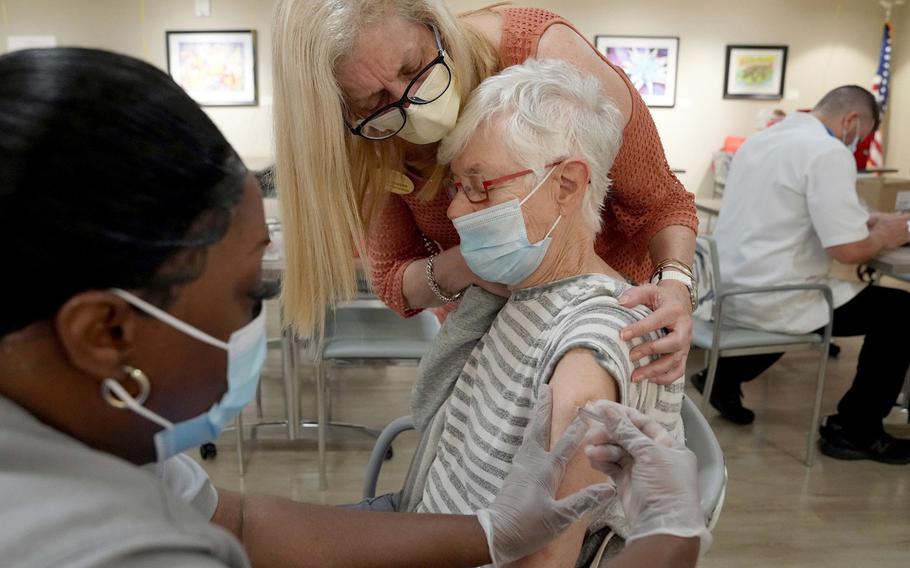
{"type": "Point", "coordinates": [390, 119]}
{"type": "Point", "coordinates": [477, 189]}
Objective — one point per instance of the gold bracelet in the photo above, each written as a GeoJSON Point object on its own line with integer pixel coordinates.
{"type": "Point", "coordinates": [674, 264]}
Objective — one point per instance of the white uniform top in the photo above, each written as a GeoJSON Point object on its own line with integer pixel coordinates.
{"type": "Point", "coordinates": [790, 194]}
{"type": "Point", "coordinates": [63, 504]}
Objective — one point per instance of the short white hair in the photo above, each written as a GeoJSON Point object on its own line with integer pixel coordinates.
{"type": "Point", "coordinates": [549, 110]}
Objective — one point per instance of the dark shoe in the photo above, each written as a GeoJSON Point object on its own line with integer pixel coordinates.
{"type": "Point", "coordinates": [841, 444]}
{"type": "Point", "coordinates": [729, 404]}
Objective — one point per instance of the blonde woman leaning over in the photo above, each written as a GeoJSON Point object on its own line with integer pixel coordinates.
{"type": "Point", "coordinates": [365, 89]}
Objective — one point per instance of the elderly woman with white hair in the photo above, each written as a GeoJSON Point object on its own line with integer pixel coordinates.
{"type": "Point", "coordinates": [530, 156]}
{"type": "Point", "coordinates": [364, 92]}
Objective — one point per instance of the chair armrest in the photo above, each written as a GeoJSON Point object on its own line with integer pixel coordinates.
{"type": "Point", "coordinates": [380, 449]}
{"type": "Point", "coordinates": [823, 288]}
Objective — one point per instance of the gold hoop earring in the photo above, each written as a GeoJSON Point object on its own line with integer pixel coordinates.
{"type": "Point", "coordinates": [138, 377]}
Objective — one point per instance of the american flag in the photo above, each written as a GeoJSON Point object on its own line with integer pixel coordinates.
{"type": "Point", "coordinates": [880, 88]}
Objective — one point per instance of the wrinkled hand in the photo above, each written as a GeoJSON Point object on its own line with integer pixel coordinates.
{"type": "Point", "coordinates": [656, 477]}
{"type": "Point", "coordinates": [525, 515]}
{"type": "Point", "coordinates": [672, 310]}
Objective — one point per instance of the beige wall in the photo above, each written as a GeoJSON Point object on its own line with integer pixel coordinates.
{"type": "Point", "coordinates": [136, 27]}
{"type": "Point", "coordinates": [897, 147]}
{"type": "Point", "coordinates": [832, 42]}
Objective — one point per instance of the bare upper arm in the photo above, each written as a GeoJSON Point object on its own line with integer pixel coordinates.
{"type": "Point", "coordinates": [562, 42]}
{"type": "Point", "coordinates": [577, 379]}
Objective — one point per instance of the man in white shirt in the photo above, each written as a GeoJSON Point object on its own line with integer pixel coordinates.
{"type": "Point", "coordinates": [790, 207]}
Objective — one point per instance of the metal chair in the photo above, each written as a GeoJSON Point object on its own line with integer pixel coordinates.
{"type": "Point", "coordinates": [724, 339]}
{"type": "Point", "coordinates": [365, 331]}
{"type": "Point", "coordinates": [903, 399]}
{"type": "Point", "coordinates": [712, 471]}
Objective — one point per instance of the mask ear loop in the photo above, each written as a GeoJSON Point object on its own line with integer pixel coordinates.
{"type": "Point", "coordinates": [539, 185]}
{"type": "Point", "coordinates": [116, 396]}
{"type": "Point", "coordinates": [533, 191]}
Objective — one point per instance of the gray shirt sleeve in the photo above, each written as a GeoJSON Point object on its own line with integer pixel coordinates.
{"type": "Point", "coordinates": [166, 559]}
{"type": "Point", "coordinates": [440, 367]}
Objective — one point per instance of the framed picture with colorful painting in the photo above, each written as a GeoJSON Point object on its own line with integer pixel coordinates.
{"type": "Point", "coordinates": [216, 68]}
{"type": "Point", "coordinates": [755, 72]}
{"type": "Point", "coordinates": [649, 62]}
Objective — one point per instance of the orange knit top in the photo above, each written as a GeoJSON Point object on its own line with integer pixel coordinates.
{"type": "Point", "coordinates": [645, 196]}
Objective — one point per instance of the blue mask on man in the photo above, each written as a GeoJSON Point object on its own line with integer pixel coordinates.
{"type": "Point", "coordinates": [495, 245]}
{"type": "Point", "coordinates": [246, 350]}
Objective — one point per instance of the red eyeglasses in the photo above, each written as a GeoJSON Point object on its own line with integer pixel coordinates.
{"type": "Point", "coordinates": [477, 189]}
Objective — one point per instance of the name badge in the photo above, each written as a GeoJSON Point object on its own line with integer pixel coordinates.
{"type": "Point", "coordinates": [400, 184]}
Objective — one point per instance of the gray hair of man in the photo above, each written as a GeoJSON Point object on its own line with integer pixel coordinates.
{"type": "Point", "coordinates": [548, 110]}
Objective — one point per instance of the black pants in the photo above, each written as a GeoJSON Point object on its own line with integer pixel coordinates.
{"type": "Point", "coordinates": [883, 316]}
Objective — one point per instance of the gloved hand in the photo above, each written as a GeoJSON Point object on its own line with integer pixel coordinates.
{"type": "Point", "coordinates": [525, 514]}
{"type": "Point", "coordinates": [656, 477]}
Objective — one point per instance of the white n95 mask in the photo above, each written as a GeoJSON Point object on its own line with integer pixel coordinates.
{"type": "Point", "coordinates": [246, 349]}
{"type": "Point", "coordinates": [430, 122]}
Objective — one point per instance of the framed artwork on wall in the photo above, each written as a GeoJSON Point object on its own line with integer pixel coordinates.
{"type": "Point", "coordinates": [216, 68]}
{"type": "Point", "coordinates": [649, 62]}
{"type": "Point", "coordinates": [755, 72]}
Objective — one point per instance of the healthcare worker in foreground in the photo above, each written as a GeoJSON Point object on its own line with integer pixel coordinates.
{"type": "Point", "coordinates": [132, 329]}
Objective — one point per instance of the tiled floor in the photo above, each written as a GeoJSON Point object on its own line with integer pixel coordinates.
{"type": "Point", "coordinates": [777, 512]}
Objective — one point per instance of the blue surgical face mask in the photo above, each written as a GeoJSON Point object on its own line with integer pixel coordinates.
{"type": "Point", "coordinates": [495, 245]}
{"type": "Point", "coordinates": [246, 349]}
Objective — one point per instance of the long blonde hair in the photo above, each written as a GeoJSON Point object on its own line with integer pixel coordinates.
{"type": "Point", "coordinates": [330, 183]}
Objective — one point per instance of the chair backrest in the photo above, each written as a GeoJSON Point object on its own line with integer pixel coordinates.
{"type": "Point", "coordinates": [712, 472]}
{"type": "Point", "coordinates": [707, 272]}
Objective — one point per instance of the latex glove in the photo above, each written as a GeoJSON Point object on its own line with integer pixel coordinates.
{"type": "Point", "coordinates": [672, 310]}
{"type": "Point", "coordinates": [656, 477]}
{"type": "Point", "coordinates": [525, 515]}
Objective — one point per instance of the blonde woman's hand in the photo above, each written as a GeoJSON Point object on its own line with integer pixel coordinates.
{"type": "Point", "coordinates": [672, 310]}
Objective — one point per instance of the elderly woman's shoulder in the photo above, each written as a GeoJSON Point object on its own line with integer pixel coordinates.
{"type": "Point", "coordinates": [602, 292]}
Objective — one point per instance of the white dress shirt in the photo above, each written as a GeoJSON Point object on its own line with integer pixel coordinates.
{"type": "Point", "coordinates": [790, 194]}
